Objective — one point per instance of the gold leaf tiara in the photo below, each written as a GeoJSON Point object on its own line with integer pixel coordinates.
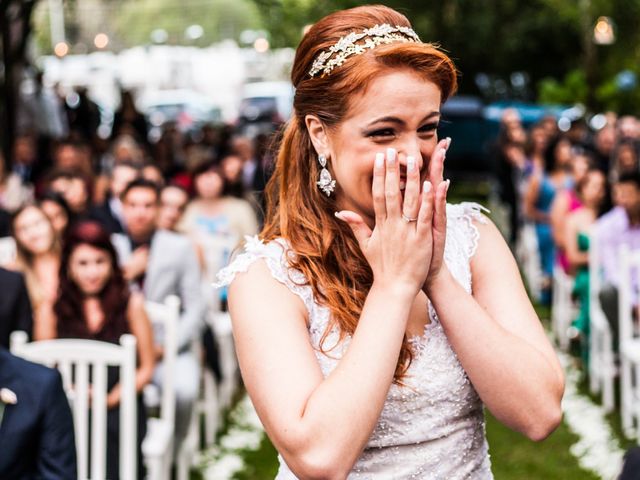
{"type": "Point", "coordinates": [327, 60]}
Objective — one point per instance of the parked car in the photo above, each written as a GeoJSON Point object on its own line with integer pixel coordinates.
{"type": "Point", "coordinates": [264, 107]}
{"type": "Point", "coordinates": [188, 109]}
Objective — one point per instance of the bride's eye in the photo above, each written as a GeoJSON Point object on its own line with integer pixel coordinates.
{"type": "Point", "coordinates": [381, 133]}
{"type": "Point", "coordinates": [428, 128]}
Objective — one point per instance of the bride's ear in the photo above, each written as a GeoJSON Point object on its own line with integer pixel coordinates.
{"type": "Point", "coordinates": [318, 135]}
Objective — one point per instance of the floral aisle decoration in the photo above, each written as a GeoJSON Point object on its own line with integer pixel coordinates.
{"type": "Point", "coordinates": [245, 433]}
{"type": "Point", "coordinates": [597, 449]}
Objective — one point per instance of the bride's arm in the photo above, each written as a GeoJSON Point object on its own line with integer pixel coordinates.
{"type": "Point", "coordinates": [499, 340]}
{"type": "Point", "coordinates": [320, 426]}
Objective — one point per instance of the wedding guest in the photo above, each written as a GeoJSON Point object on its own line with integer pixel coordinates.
{"type": "Point", "coordinates": [38, 258]}
{"type": "Point", "coordinates": [620, 226]}
{"type": "Point", "coordinates": [36, 427]}
{"type": "Point", "coordinates": [55, 207]}
{"type": "Point", "coordinates": [162, 263]}
{"type": "Point", "coordinates": [173, 203]}
{"type": "Point", "coordinates": [15, 307]}
{"type": "Point", "coordinates": [94, 303]}
{"type": "Point", "coordinates": [109, 213]}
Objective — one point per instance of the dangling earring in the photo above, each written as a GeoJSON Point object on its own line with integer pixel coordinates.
{"type": "Point", "coordinates": [326, 183]}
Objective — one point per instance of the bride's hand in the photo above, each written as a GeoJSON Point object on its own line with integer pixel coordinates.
{"type": "Point", "coordinates": [399, 249]}
{"type": "Point", "coordinates": [439, 230]}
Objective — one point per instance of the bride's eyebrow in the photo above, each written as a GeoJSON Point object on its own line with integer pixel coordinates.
{"type": "Point", "coordinates": [399, 121]}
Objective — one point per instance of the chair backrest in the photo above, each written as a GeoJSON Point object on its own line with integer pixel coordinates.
{"type": "Point", "coordinates": [217, 250]}
{"type": "Point", "coordinates": [83, 364]}
{"type": "Point", "coordinates": [164, 318]}
{"type": "Point", "coordinates": [7, 250]}
{"type": "Point", "coordinates": [629, 265]}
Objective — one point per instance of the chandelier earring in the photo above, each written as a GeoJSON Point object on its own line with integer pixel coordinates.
{"type": "Point", "coordinates": [326, 183]}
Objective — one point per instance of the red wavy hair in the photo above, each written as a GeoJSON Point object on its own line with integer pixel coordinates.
{"type": "Point", "coordinates": [326, 251]}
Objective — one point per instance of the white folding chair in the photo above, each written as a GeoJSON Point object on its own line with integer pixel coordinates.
{"type": "Point", "coordinates": [529, 258]}
{"type": "Point", "coordinates": [217, 251]}
{"type": "Point", "coordinates": [7, 250]}
{"type": "Point", "coordinates": [602, 369]}
{"type": "Point", "coordinates": [83, 365]}
{"type": "Point", "coordinates": [562, 311]}
{"type": "Point", "coordinates": [629, 342]}
{"type": "Point", "coordinates": [157, 446]}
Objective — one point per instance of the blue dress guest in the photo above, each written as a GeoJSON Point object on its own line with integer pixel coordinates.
{"type": "Point", "coordinates": [543, 185]}
{"type": "Point", "coordinates": [36, 427]}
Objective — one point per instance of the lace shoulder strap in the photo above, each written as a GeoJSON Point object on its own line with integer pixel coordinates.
{"type": "Point", "coordinates": [462, 239]}
{"type": "Point", "coordinates": [274, 254]}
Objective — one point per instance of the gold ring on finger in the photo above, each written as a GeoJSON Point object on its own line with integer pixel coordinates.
{"type": "Point", "coordinates": [409, 219]}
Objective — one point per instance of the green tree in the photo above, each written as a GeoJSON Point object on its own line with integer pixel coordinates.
{"type": "Point", "coordinates": [547, 39]}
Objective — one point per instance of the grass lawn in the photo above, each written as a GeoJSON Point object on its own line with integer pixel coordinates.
{"type": "Point", "coordinates": [513, 456]}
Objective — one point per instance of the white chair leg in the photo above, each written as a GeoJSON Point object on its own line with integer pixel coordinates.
{"type": "Point", "coordinates": [210, 407]}
{"type": "Point", "coordinates": [594, 359]}
{"type": "Point", "coordinates": [609, 372]}
{"type": "Point", "coordinates": [626, 396]}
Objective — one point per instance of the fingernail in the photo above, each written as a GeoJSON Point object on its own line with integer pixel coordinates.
{"type": "Point", "coordinates": [391, 155]}
{"type": "Point", "coordinates": [448, 139]}
{"type": "Point", "coordinates": [338, 215]}
{"type": "Point", "coordinates": [379, 159]}
{"type": "Point", "coordinates": [411, 163]}
{"type": "Point", "coordinates": [426, 186]}
{"type": "Point", "coordinates": [448, 182]}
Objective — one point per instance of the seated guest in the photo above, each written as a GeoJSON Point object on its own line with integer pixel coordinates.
{"type": "Point", "coordinates": [5, 223]}
{"type": "Point", "coordinates": [214, 212]}
{"type": "Point", "coordinates": [592, 191]}
{"type": "Point", "coordinates": [94, 303]}
{"type": "Point", "coordinates": [109, 214]}
{"type": "Point", "coordinates": [173, 203]}
{"type": "Point", "coordinates": [74, 187]}
{"type": "Point", "coordinates": [620, 226]}
{"type": "Point", "coordinates": [55, 207]}
{"type": "Point", "coordinates": [38, 258]}
{"type": "Point", "coordinates": [36, 426]}
{"type": "Point", "coordinates": [15, 308]}
{"type": "Point", "coordinates": [163, 263]}
{"type": "Point", "coordinates": [153, 173]}
{"type": "Point", "coordinates": [13, 192]}
{"type": "Point", "coordinates": [625, 159]}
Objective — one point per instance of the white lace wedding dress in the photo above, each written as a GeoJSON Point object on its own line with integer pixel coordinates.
{"type": "Point", "coordinates": [433, 428]}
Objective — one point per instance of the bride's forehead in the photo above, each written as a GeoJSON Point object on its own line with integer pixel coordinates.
{"type": "Point", "coordinates": [398, 93]}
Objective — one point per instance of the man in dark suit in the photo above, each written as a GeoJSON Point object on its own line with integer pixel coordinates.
{"type": "Point", "coordinates": [15, 308]}
{"type": "Point", "coordinates": [36, 430]}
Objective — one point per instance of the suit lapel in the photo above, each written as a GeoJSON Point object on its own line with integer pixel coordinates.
{"type": "Point", "coordinates": [8, 380]}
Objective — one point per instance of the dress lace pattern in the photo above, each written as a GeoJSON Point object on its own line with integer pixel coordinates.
{"type": "Point", "coordinates": [431, 428]}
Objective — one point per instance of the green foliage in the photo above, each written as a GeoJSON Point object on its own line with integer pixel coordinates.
{"type": "Point", "coordinates": [545, 38]}
{"type": "Point", "coordinates": [130, 22]}
{"type": "Point", "coordinates": [220, 19]}
{"type": "Point", "coordinates": [572, 89]}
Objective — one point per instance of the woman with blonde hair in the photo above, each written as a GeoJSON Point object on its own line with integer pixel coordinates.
{"type": "Point", "coordinates": [369, 339]}
{"type": "Point", "coordinates": [38, 258]}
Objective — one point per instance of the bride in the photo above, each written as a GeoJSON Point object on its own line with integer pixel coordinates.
{"type": "Point", "coordinates": [372, 320]}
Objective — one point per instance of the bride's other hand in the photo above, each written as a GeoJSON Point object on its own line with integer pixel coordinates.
{"type": "Point", "coordinates": [396, 248]}
{"type": "Point", "coordinates": [439, 232]}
